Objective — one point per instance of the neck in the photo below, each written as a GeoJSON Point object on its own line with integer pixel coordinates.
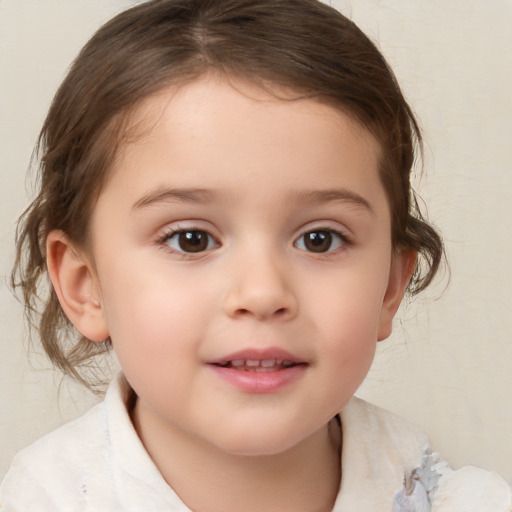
{"type": "Point", "coordinates": [305, 478]}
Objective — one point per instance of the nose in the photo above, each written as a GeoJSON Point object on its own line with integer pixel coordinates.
{"type": "Point", "coordinates": [261, 288]}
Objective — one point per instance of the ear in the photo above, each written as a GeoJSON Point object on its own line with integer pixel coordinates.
{"type": "Point", "coordinates": [402, 267]}
{"type": "Point", "coordinates": [76, 285]}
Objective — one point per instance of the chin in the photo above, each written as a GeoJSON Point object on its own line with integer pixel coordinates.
{"type": "Point", "coordinates": [264, 442]}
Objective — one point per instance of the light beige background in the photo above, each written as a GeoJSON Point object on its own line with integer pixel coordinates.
{"type": "Point", "coordinates": [448, 365]}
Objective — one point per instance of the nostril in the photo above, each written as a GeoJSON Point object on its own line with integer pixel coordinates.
{"type": "Point", "coordinates": [278, 312]}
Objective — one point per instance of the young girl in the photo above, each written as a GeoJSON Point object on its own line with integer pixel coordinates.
{"type": "Point", "coordinates": [225, 203]}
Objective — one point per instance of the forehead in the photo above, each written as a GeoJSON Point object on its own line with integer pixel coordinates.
{"type": "Point", "coordinates": [216, 127]}
{"type": "Point", "coordinates": [213, 102]}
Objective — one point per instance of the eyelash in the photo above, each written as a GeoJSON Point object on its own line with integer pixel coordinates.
{"type": "Point", "coordinates": [329, 235]}
{"type": "Point", "coordinates": [211, 241]}
{"type": "Point", "coordinates": [342, 239]}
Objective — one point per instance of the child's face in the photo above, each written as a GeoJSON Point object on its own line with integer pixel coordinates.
{"type": "Point", "coordinates": [242, 230]}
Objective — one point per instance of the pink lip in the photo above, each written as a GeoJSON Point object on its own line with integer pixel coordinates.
{"type": "Point", "coordinates": [259, 382]}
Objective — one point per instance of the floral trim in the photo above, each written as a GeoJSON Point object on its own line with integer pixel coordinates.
{"type": "Point", "coordinates": [419, 487]}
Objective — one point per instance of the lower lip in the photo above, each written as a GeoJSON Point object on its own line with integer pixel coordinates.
{"type": "Point", "coordinates": [260, 382]}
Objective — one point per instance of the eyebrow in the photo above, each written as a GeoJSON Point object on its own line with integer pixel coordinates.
{"type": "Point", "coordinates": [201, 195]}
{"type": "Point", "coordinates": [333, 196]}
{"type": "Point", "coordinates": [174, 195]}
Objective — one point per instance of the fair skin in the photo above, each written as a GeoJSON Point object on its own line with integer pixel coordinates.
{"type": "Point", "coordinates": [288, 266]}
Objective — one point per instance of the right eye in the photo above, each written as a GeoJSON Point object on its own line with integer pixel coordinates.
{"type": "Point", "coordinates": [190, 241]}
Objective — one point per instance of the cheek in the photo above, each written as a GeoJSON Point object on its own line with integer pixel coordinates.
{"type": "Point", "coordinates": [346, 312]}
{"type": "Point", "coordinates": [148, 309]}
{"type": "Point", "coordinates": [349, 301]}
{"type": "Point", "coordinates": [154, 337]}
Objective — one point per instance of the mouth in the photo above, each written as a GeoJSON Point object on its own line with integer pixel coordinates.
{"type": "Point", "coordinates": [259, 360]}
{"type": "Point", "coordinates": [257, 365]}
{"type": "Point", "coordinates": [259, 371]}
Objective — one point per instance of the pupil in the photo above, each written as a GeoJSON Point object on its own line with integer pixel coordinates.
{"type": "Point", "coordinates": [193, 241]}
{"type": "Point", "coordinates": [318, 241]}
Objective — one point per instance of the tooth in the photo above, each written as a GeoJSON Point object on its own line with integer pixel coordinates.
{"type": "Point", "coordinates": [268, 363]}
{"type": "Point", "coordinates": [238, 362]}
{"type": "Point", "coordinates": [251, 362]}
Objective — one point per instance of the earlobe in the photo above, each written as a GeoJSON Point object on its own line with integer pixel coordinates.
{"type": "Point", "coordinates": [75, 283]}
{"type": "Point", "coordinates": [402, 268]}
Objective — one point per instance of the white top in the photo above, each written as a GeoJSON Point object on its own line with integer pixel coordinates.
{"type": "Point", "coordinates": [97, 463]}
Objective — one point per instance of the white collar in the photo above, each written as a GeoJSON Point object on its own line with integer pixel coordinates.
{"type": "Point", "coordinates": [379, 448]}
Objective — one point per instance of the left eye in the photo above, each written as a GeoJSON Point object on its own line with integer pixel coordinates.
{"type": "Point", "coordinates": [190, 241]}
{"type": "Point", "coordinates": [320, 240]}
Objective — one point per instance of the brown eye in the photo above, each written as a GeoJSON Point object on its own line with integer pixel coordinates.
{"type": "Point", "coordinates": [190, 241]}
{"type": "Point", "coordinates": [321, 240]}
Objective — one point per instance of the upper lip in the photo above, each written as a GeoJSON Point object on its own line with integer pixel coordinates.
{"type": "Point", "coordinates": [259, 354]}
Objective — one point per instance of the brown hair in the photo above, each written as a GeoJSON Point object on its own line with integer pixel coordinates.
{"type": "Point", "coordinates": [299, 44]}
